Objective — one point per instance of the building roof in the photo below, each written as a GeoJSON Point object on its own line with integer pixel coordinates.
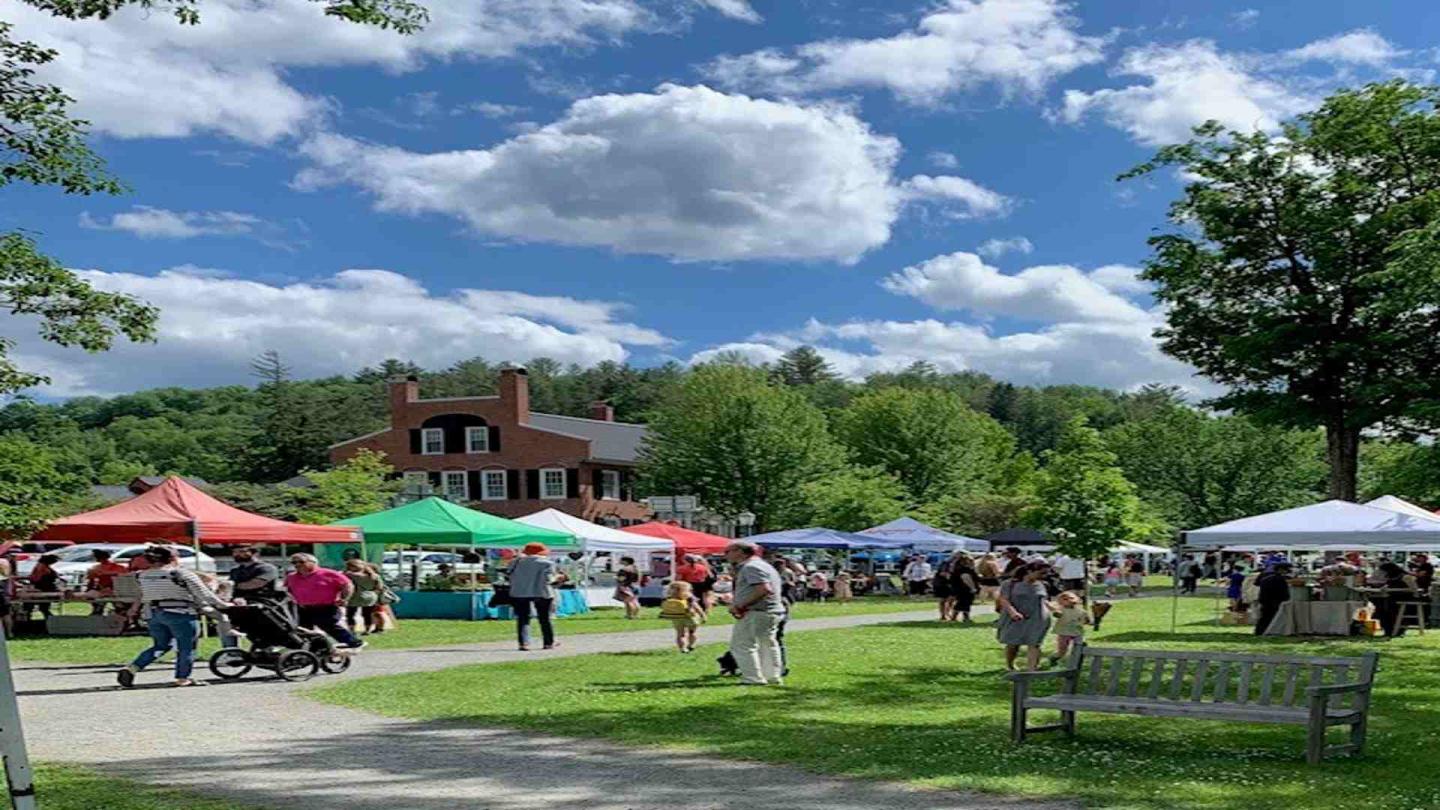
{"type": "Point", "coordinates": [112, 492]}
{"type": "Point", "coordinates": [157, 480]}
{"type": "Point", "coordinates": [609, 441]}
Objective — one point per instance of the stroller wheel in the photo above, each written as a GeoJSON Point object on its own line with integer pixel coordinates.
{"type": "Point", "coordinates": [230, 664]}
{"type": "Point", "coordinates": [297, 665]}
{"type": "Point", "coordinates": [335, 663]}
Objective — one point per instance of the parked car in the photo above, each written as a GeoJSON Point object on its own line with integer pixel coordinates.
{"type": "Point", "coordinates": [76, 560]}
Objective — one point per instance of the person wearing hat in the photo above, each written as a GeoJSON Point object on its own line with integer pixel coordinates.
{"type": "Point", "coordinates": [1274, 586]}
{"type": "Point", "coordinates": [175, 597]}
{"type": "Point", "coordinates": [532, 592]}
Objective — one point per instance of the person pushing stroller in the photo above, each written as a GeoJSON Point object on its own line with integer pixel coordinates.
{"type": "Point", "coordinates": [175, 597]}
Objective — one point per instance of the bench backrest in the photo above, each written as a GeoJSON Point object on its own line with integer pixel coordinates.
{"type": "Point", "coordinates": [1213, 677]}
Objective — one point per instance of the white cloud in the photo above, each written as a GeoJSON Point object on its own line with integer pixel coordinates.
{"type": "Point", "coordinates": [1360, 47]}
{"type": "Point", "coordinates": [1122, 279]}
{"type": "Point", "coordinates": [160, 223]}
{"type": "Point", "coordinates": [1245, 18]}
{"type": "Point", "coordinates": [141, 74]}
{"type": "Point", "coordinates": [211, 326]}
{"type": "Point", "coordinates": [1020, 46]}
{"type": "Point", "coordinates": [1187, 84]}
{"type": "Point", "coordinates": [943, 160]}
{"type": "Point", "coordinates": [735, 9]}
{"type": "Point", "coordinates": [995, 248]}
{"type": "Point", "coordinates": [1045, 293]}
{"type": "Point", "coordinates": [684, 172]}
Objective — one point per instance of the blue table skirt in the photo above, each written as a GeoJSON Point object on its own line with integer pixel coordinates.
{"type": "Point", "coordinates": [476, 605]}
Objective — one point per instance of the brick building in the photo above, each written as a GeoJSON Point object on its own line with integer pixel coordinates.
{"type": "Point", "coordinates": [502, 458]}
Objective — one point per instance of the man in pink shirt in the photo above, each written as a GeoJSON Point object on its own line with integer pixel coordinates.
{"type": "Point", "coordinates": [320, 594]}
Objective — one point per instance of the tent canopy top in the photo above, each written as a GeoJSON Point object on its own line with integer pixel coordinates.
{"type": "Point", "coordinates": [687, 541]}
{"type": "Point", "coordinates": [437, 522]}
{"type": "Point", "coordinates": [176, 511]}
{"type": "Point", "coordinates": [595, 537]}
{"type": "Point", "coordinates": [922, 537]}
{"type": "Point", "coordinates": [821, 537]}
{"type": "Point", "coordinates": [1326, 525]}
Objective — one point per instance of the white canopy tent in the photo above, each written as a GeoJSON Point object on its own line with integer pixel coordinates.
{"type": "Point", "coordinates": [1329, 525]}
{"type": "Point", "coordinates": [1402, 506]}
{"type": "Point", "coordinates": [594, 537]}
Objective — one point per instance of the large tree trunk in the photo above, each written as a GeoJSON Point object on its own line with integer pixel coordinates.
{"type": "Point", "coordinates": [1342, 450]}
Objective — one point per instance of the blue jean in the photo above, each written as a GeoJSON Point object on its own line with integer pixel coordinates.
{"type": "Point", "coordinates": [167, 629]}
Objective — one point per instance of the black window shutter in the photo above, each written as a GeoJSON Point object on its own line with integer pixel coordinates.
{"type": "Point", "coordinates": [627, 485]}
{"type": "Point", "coordinates": [572, 483]}
{"type": "Point", "coordinates": [435, 481]}
{"type": "Point", "coordinates": [494, 439]}
{"type": "Point", "coordinates": [599, 485]}
{"type": "Point", "coordinates": [473, 478]}
{"type": "Point", "coordinates": [532, 484]}
{"type": "Point", "coordinates": [512, 484]}
{"type": "Point", "coordinates": [415, 447]}
{"type": "Point", "coordinates": [454, 438]}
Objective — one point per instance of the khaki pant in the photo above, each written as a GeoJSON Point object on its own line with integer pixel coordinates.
{"type": "Point", "coordinates": [756, 650]}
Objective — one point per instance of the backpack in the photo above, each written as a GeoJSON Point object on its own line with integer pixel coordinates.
{"type": "Point", "coordinates": [675, 609]}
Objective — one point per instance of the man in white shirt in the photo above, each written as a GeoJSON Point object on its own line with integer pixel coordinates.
{"type": "Point", "coordinates": [917, 575]}
{"type": "Point", "coordinates": [1072, 572]}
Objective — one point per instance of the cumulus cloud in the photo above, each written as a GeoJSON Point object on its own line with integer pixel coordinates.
{"type": "Point", "coordinates": [1245, 18]}
{"type": "Point", "coordinates": [228, 74]}
{"type": "Point", "coordinates": [1360, 47]}
{"type": "Point", "coordinates": [684, 172]}
{"type": "Point", "coordinates": [944, 160]}
{"type": "Point", "coordinates": [211, 326]}
{"type": "Point", "coordinates": [1018, 46]}
{"type": "Point", "coordinates": [995, 248]}
{"type": "Point", "coordinates": [734, 9]}
{"type": "Point", "coordinates": [1046, 293]}
{"type": "Point", "coordinates": [1187, 84]}
{"type": "Point", "coordinates": [1111, 354]}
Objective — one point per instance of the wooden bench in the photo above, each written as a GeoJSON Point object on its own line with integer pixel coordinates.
{"type": "Point", "coordinates": [1314, 692]}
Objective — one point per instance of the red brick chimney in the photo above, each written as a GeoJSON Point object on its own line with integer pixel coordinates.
{"type": "Point", "coordinates": [402, 392]}
{"type": "Point", "coordinates": [602, 411]}
{"type": "Point", "coordinates": [515, 393]}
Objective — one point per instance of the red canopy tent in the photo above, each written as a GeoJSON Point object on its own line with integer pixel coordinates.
{"type": "Point", "coordinates": [178, 512]}
{"type": "Point", "coordinates": [687, 541]}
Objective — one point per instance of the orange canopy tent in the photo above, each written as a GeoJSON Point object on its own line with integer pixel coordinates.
{"type": "Point", "coordinates": [178, 512]}
{"type": "Point", "coordinates": [687, 541]}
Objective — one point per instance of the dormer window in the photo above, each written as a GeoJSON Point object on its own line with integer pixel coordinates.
{"type": "Point", "coordinates": [432, 442]}
{"type": "Point", "coordinates": [477, 439]}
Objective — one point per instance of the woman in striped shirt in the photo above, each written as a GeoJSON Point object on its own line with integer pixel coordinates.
{"type": "Point", "coordinates": [175, 597]}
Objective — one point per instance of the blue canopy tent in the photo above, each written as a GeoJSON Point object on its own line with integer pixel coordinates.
{"type": "Point", "coordinates": [911, 532]}
{"type": "Point", "coordinates": [822, 538]}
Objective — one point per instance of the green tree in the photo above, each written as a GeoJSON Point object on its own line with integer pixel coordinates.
{"type": "Point", "coordinates": [802, 365]}
{"type": "Point", "coordinates": [1301, 274]}
{"type": "Point", "coordinates": [1405, 470]}
{"type": "Point", "coordinates": [1198, 470]}
{"type": "Point", "coordinates": [33, 486]}
{"type": "Point", "coordinates": [1082, 491]}
{"type": "Point", "coordinates": [270, 500]}
{"type": "Point", "coordinates": [855, 498]}
{"type": "Point", "coordinates": [927, 438]}
{"type": "Point", "coordinates": [42, 144]}
{"type": "Point", "coordinates": [290, 437]}
{"type": "Point", "coordinates": [739, 442]}
{"type": "Point", "coordinates": [363, 484]}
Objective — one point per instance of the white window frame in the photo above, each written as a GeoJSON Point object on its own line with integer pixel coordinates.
{"type": "Point", "coordinates": [544, 484]}
{"type": "Point", "coordinates": [609, 485]}
{"type": "Point", "coordinates": [425, 434]}
{"type": "Point", "coordinates": [415, 477]}
{"type": "Point", "coordinates": [485, 480]}
{"type": "Point", "coordinates": [477, 430]}
{"type": "Point", "coordinates": [464, 484]}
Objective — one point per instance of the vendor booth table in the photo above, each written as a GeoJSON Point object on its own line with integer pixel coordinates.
{"type": "Point", "coordinates": [1297, 618]}
{"type": "Point", "coordinates": [475, 605]}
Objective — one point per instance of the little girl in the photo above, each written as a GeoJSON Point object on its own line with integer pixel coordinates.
{"type": "Point", "coordinates": [684, 612]}
{"type": "Point", "coordinates": [816, 586]}
{"type": "Point", "coordinates": [1070, 622]}
{"type": "Point", "coordinates": [1112, 579]}
{"type": "Point", "coordinates": [843, 593]}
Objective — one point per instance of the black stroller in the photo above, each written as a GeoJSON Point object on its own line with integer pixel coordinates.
{"type": "Point", "coordinates": [277, 643]}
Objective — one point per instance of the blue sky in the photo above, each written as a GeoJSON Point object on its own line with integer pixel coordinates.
{"type": "Point", "coordinates": [662, 179]}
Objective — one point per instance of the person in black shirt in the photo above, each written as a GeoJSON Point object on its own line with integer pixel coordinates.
{"type": "Point", "coordinates": [253, 578]}
{"type": "Point", "coordinates": [1012, 561]}
{"type": "Point", "coordinates": [1274, 587]}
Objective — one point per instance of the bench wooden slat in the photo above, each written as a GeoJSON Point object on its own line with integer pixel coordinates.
{"type": "Point", "coordinates": [1197, 689]}
{"type": "Point", "coordinates": [1292, 674]}
{"type": "Point", "coordinates": [1136, 670]}
{"type": "Point", "coordinates": [1094, 680]}
{"type": "Point", "coordinates": [1175, 680]}
{"type": "Point", "coordinates": [1117, 666]}
{"type": "Point", "coordinates": [1222, 682]}
{"type": "Point", "coordinates": [1342, 675]}
{"type": "Point", "coordinates": [1157, 678]}
{"type": "Point", "coordinates": [1119, 652]}
{"type": "Point", "coordinates": [1242, 693]}
{"type": "Point", "coordinates": [1268, 685]}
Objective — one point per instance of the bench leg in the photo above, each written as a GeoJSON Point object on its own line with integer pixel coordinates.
{"type": "Point", "coordinates": [1357, 734]}
{"type": "Point", "coordinates": [1017, 722]}
{"type": "Point", "coordinates": [1315, 732]}
{"type": "Point", "coordinates": [1067, 723]}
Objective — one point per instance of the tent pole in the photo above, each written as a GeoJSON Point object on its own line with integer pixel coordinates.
{"type": "Point", "coordinates": [195, 540]}
{"type": "Point", "coordinates": [1175, 582]}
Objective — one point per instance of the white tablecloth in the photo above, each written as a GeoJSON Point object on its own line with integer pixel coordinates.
{"type": "Point", "coordinates": [1314, 619]}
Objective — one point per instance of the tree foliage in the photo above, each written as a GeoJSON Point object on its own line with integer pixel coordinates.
{"type": "Point", "coordinates": [855, 498]}
{"type": "Point", "coordinates": [359, 486]}
{"type": "Point", "coordinates": [741, 443]}
{"type": "Point", "coordinates": [34, 486]}
{"type": "Point", "coordinates": [1301, 272]}
{"type": "Point", "coordinates": [1083, 492]}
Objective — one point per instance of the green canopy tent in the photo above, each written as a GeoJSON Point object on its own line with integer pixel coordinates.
{"type": "Point", "coordinates": [438, 522]}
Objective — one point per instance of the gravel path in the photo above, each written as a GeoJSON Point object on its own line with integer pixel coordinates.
{"type": "Point", "coordinates": [259, 741]}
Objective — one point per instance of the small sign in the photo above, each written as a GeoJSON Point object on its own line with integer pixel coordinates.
{"type": "Point", "coordinates": [685, 503]}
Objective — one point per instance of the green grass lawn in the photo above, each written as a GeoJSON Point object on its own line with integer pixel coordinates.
{"type": "Point", "coordinates": [415, 633]}
{"type": "Point", "coordinates": [73, 787]}
{"type": "Point", "coordinates": [926, 703]}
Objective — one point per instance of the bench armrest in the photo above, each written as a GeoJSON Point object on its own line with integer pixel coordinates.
{"type": "Point", "coordinates": [1336, 689]}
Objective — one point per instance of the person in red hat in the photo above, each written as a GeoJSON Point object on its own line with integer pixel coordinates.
{"type": "Point", "coordinates": [532, 593]}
